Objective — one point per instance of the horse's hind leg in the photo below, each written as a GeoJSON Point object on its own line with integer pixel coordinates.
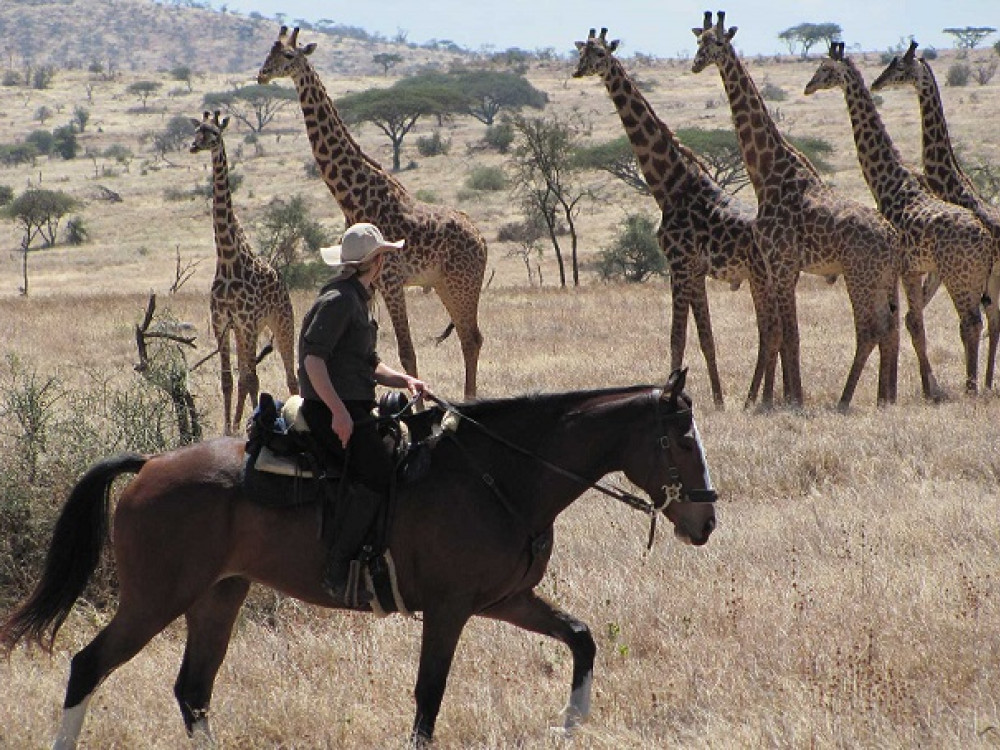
{"type": "Point", "coordinates": [122, 639]}
{"type": "Point", "coordinates": [209, 627]}
{"type": "Point", "coordinates": [531, 612]}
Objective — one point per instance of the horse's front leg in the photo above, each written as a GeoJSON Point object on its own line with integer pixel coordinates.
{"type": "Point", "coordinates": [442, 628]}
{"type": "Point", "coordinates": [529, 611]}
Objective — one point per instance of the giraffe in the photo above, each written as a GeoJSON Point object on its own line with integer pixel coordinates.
{"type": "Point", "coordinates": [945, 176]}
{"type": "Point", "coordinates": [939, 236]}
{"type": "Point", "coordinates": [247, 293]}
{"type": "Point", "coordinates": [802, 225]}
{"type": "Point", "coordinates": [444, 250]}
{"type": "Point", "coordinates": [702, 230]}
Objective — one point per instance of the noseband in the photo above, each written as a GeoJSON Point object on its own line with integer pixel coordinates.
{"type": "Point", "coordinates": [674, 490]}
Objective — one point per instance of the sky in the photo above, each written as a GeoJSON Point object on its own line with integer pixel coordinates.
{"type": "Point", "coordinates": [656, 27]}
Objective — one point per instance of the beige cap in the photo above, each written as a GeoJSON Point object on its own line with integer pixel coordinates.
{"type": "Point", "coordinates": [361, 243]}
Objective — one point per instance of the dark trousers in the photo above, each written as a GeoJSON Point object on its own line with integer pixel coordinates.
{"type": "Point", "coordinates": [370, 458]}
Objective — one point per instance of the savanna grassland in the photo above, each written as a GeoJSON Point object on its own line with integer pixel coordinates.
{"type": "Point", "coordinates": [849, 597]}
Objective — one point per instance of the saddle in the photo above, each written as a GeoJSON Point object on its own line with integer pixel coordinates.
{"type": "Point", "coordinates": [283, 468]}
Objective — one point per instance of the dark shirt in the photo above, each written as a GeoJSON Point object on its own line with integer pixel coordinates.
{"type": "Point", "coordinates": [340, 330]}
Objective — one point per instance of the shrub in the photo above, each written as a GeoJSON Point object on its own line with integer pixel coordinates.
{"type": "Point", "coordinates": [427, 196]}
{"type": "Point", "coordinates": [772, 92]}
{"type": "Point", "coordinates": [486, 178]}
{"type": "Point", "coordinates": [11, 78]}
{"type": "Point", "coordinates": [499, 137]}
{"type": "Point", "coordinates": [6, 194]}
{"type": "Point", "coordinates": [17, 153]}
{"type": "Point", "coordinates": [76, 231]}
{"type": "Point", "coordinates": [433, 145]}
{"type": "Point", "coordinates": [958, 75]}
{"type": "Point", "coordinates": [42, 140]}
{"type": "Point", "coordinates": [635, 254]}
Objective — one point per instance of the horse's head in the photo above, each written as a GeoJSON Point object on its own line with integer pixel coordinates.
{"type": "Point", "coordinates": [671, 467]}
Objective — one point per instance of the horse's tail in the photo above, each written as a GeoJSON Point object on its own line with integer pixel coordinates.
{"type": "Point", "coordinates": [73, 555]}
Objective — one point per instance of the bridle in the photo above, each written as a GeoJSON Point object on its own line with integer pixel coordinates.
{"type": "Point", "coordinates": [674, 489]}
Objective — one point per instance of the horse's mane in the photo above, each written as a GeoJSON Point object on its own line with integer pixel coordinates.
{"type": "Point", "coordinates": [541, 405]}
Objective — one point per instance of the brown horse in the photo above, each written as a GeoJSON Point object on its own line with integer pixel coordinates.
{"type": "Point", "coordinates": [472, 537]}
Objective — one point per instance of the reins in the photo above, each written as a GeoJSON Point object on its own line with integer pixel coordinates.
{"type": "Point", "coordinates": [675, 491]}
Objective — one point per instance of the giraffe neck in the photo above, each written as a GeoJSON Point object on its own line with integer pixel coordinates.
{"type": "Point", "coordinates": [883, 168]}
{"type": "Point", "coordinates": [669, 168]}
{"type": "Point", "coordinates": [765, 150]}
{"type": "Point", "coordinates": [346, 169]}
{"type": "Point", "coordinates": [230, 242]}
{"type": "Point", "coordinates": [941, 167]}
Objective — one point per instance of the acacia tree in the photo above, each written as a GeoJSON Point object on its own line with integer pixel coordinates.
{"type": "Point", "coordinates": [255, 105]}
{"type": "Point", "coordinates": [810, 34]}
{"type": "Point", "coordinates": [395, 110]}
{"type": "Point", "coordinates": [617, 158]}
{"type": "Point", "coordinates": [969, 37]}
{"type": "Point", "coordinates": [487, 92]}
{"type": "Point", "coordinates": [144, 90]}
{"type": "Point", "coordinates": [387, 60]}
{"type": "Point", "coordinates": [543, 168]}
{"type": "Point", "coordinates": [38, 213]}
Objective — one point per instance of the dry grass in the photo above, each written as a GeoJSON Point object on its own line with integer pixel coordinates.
{"type": "Point", "coordinates": [848, 599]}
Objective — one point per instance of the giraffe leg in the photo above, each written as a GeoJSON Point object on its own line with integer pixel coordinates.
{"type": "Point", "coordinates": [248, 385]}
{"type": "Point", "coordinates": [462, 305]}
{"type": "Point", "coordinates": [768, 340]}
{"type": "Point", "coordinates": [395, 302]}
{"type": "Point", "coordinates": [282, 325]}
{"type": "Point", "coordinates": [913, 289]}
{"type": "Point", "coordinates": [868, 323]}
{"type": "Point", "coordinates": [992, 324]}
{"type": "Point", "coordinates": [209, 627]}
{"type": "Point", "coordinates": [226, 375]}
{"type": "Point", "coordinates": [703, 321]}
{"type": "Point", "coordinates": [791, 372]}
{"type": "Point", "coordinates": [970, 328]}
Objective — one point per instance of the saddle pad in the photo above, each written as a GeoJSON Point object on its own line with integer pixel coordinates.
{"type": "Point", "coordinates": [271, 463]}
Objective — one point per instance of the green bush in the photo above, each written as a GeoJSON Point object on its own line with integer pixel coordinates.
{"type": "Point", "coordinates": [6, 195]}
{"type": "Point", "coordinates": [76, 231]}
{"type": "Point", "coordinates": [42, 140]}
{"type": "Point", "coordinates": [433, 145]}
{"type": "Point", "coordinates": [958, 75]}
{"type": "Point", "coordinates": [486, 179]}
{"type": "Point", "coordinates": [635, 255]}
{"type": "Point", "coordinates": [499, 137]}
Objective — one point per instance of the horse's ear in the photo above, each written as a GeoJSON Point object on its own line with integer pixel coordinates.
{"type": "Point", "coordinates": [675, 386]}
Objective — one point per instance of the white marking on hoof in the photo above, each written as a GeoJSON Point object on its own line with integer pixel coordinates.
{"type": "Point", "coordinates": [579, 706]}
{"type": "Point", "coordinates": [72, 723]}
{"type": "Point", "coordinates": [201, 734]}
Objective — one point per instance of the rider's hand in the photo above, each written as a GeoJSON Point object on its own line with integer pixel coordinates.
{"type": "Point", "coordinates": [342, 424]}
{"type": "Point", "coordinates": [416, 386]}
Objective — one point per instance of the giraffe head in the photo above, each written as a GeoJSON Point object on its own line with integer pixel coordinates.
{"type": "Point", "coordinates": [595, 54]}
{"type": "Point", "coordinates": [901, 71]}
{"type": "Point", "coordinates": [714, 42]}
{"type": "Point", "coordinates": [285, 56]}
{"type": "Point", "coordinates": [832, 71]}
{"type": "Point", "coordinates": [208, 131]}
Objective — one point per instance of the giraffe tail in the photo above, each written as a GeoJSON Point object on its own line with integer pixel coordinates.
{"type": "Point", "coordinates": [444, 334]}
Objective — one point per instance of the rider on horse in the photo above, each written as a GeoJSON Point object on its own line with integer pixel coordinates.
{"type": "Point", "coordinates": [338, 370]}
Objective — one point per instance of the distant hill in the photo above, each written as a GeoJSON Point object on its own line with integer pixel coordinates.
{"type": "Point", "coordinates": [136, 36]}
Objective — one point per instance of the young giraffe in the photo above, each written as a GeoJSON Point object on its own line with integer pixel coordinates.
{"type": "Point", "coordinates": [945, 177]}
{"type": "Point", "coordinates": [444, 250]}
{"type": "Point", "coordinates": [702, 230]}
{"type": "Point", "coordinates": [247, 293]}
{"type": "Point", "coordinates": [941, 237]}
{"type": "Point", "coordinates": [803, 225]}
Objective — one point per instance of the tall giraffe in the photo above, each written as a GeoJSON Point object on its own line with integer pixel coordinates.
{"type": "Point", "coordinates": [802, 225]}
{"type": "Point", "coordinates": [247, 293]}
{"type": "Point", "coordinates": [939, 236]}
{"type": "Point", "coordinates": [444, 249]}
{"type": "Point", "coordinates": [945, 176]}
{"type": "Point", "coordinates": [702, 230]}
